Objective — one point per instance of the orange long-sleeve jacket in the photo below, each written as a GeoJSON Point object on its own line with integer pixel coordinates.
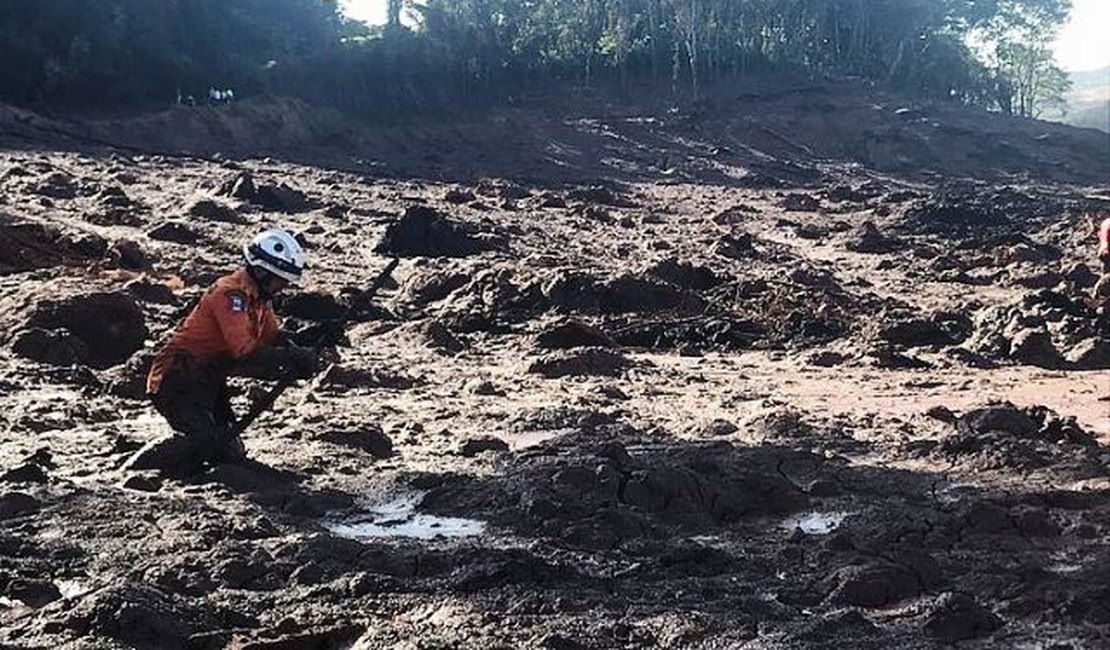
{"type": "Point", "coordinates": [230, 322]}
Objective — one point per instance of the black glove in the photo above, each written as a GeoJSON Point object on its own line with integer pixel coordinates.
{"type": "Point", "coordinates": [302, 362]}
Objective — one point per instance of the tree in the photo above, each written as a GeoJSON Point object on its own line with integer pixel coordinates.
{"type": "Point", "coordinates": [1019, 53]}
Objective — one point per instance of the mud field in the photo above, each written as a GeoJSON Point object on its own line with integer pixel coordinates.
{"type": "Point", "coordinates": [693, 389]}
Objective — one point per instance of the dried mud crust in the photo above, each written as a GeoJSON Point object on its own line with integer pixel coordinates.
{"type": "Point", "coordinates": [762, 400]}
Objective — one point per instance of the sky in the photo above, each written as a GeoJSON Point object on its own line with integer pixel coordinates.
{"type": "Point", "coordinates": [1084, 43]}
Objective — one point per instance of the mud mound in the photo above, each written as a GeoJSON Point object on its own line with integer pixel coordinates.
{"type": "Point", "coordinates": [1003, 436]}
{"type": "Point", "coordinates": [571, 334]}
{"type": "Point", "coordinates": [424, 232]}
{"type": "Point", "coordinates": [97, 329]}
{"type": "Point", "coordinates": [28, 246]}
{"type": "Point", "coordinates": [976, 212]}
{"type": "Point", "coordinates": [491, 300]}
{"type": "Point", "coordinates": [604, 494]}
{"type": "Point", "coordinates": [584, 293]}
{"type": "Point", "coordinates": [1045, 328]}
{"type": "Point", "coordinates": [585, 362]}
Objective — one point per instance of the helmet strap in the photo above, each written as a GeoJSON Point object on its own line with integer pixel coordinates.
{"type": "Point", "coordinates": [261, 279]}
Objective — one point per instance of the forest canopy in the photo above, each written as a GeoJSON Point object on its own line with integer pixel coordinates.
{"type": "Point", "coordinates": [990, 53]}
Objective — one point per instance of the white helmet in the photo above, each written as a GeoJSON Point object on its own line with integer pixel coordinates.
{"type": "Point", "coordinates": [278, 252]}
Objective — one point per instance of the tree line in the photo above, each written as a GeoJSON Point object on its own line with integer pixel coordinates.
{"type": "Point", "coordinates": [438, 53]}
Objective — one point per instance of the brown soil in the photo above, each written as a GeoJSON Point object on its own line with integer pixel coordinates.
{"type": "Point", "coordinates": [825, 377]}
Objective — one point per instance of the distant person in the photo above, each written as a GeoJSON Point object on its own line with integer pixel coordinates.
{"type": "Point", "coordinates": [213, 96]}
{"type": "Point", "coordinates": [233, 329]}
{"type": "Point", "coordinates": [229, 96]}
{"type": "Point", "coordinates": [1102, 227]}
{"type": "Point", "coordinates": [1101, 223]}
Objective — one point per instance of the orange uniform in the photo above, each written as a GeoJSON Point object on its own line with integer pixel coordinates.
{"type": "Point", "coordinates": [231, 321]}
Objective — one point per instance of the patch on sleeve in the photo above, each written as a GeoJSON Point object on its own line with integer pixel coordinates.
{"type": "Point", "coordinates": [238, 302]}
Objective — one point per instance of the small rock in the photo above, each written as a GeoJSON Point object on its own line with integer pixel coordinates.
{"type": "Point", "coordinates": [459, 196]}
{"type": "Point", "coordinates": [585, 361]}
{"type": "Point", "coordinates": [25, 473]}
{"type": "Point", "coordinates": [438, 337]}
{"type": "Point", "coordinates": [827, 359]}
{"type": "Point", "coordinates": [15, 504]}
{"type": "Point", "coordinates": [1035, 347]}
{"type": "Point", "coordinates": [127, 254]}
{"type": "Point", "coordinates": [369, 438]}
{"type": "Point", "coordinates": [1041, 280]}
{"type": "Point", "coordinates": [800, 203]}
{"type": "Point", "coordinates": [720, 428]}
{"type": "Point", "coordinates": [824, 488]}
{"type": "Point", "coordinates": [176, 232]}
{"type": "Point", "coordinates": [572, 334]}
{"type": "Point", "coordinates": [241, 187]}
{"type": "Point", "coordinates": [475, 446]}
{"type": "Point", "coordinates": [942, 413]}
{"type": "Point", "coordinates": [1080, 276]}
{"type": "Point", "coordinates": [1090, 354]}
{"type": "Point", "coordinates": [33, 593]}
{"type": "Point", "coordinates": [214, 211]}
{"type": "Point", "coordinates": [483, 387]}
{"type": "Point", "coordinates": [957, 617]}
{"type": "Point", "coordinates": [143, 483]}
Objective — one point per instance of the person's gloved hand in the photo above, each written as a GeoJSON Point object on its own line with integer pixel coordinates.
{"type": "Point", "coordinates": [301, 361]}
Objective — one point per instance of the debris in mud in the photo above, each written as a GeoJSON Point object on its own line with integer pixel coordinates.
{"type": "Point", "coordinates": [422, 231]}
{"type": "Point", "coordinates": [96, 329]}
{"type": "Point", "coordinates": [597, 362]}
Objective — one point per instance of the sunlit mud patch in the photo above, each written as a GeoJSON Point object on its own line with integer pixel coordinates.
{"type": "Point", "coordinates": [72, 588]}
{"type": "Point", "coordinates": [815, 523]}
{"type": "Point", "coordinates": [399, 518]}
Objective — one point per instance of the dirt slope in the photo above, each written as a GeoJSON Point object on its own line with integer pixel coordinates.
{"type": "Point", "coordinates": [795, 373]}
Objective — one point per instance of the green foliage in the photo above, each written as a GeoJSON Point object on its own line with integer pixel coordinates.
{"type": "Point", "coordinates": [110, 51]}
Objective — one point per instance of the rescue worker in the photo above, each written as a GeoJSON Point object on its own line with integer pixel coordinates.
{"type": "Point", "coordinates": [1102, 289]}
{"type": "Point", "coordinates": [232, 329]}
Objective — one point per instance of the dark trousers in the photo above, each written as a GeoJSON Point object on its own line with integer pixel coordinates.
{"type": "Point", "coordinates": [197, 407]}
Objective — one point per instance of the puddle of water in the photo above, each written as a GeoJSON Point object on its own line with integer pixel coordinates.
{"type": "Point", "coordinates": [815, 523]}
{"type": "Point", "coordinates": [399, 518]}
